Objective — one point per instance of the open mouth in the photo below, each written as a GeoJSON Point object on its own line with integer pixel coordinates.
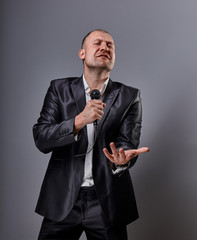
{"type": "Point", "coordinates": [104, 56]}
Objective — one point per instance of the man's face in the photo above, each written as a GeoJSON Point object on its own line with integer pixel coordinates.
{"type": "Point", "coordinates": [98, 51]}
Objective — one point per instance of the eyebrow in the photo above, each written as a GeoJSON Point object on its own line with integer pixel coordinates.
{"type": "Point", "coordinates": [100, 39]}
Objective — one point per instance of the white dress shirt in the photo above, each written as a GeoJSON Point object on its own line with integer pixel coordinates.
{"type": "Point", "coordinates": [88, 179]}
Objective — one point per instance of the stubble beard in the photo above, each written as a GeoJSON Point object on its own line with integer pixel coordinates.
{"type": "Point", "coordinates": [100, 66]}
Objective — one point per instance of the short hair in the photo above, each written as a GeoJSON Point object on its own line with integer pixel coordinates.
{"type": "Point", "coordinates": [99, 30]}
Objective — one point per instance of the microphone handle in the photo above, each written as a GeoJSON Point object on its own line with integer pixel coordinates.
{"type": "Point", "coordinates": [95, 94]}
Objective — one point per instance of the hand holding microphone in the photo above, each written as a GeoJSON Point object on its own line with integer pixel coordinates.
{"type": "Point", "coordinates": [93, 111]}
{"type": "Point", "coordinates": [97, 105]}
{"type": "Point", "coordinates": [95, 94]}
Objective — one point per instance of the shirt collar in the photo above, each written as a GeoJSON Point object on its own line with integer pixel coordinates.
{"type": "Point", "coordinates": [102, 89]}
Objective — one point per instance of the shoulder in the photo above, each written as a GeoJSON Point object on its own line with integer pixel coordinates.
{"type": "Point", "coordinates": [123, 86]}
{"type": "Point", "coordinates": [125, 90]}
{"type": "Point", "coordinates": [62, 84]}
{"type": "Point", "coordinates": [65, 81]}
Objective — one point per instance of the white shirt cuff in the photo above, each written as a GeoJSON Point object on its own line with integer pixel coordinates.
{"type": "Point", "coordinates": [120, 168]}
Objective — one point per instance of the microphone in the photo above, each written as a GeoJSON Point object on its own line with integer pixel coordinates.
{"type": "Point", "coordinates": [95, 94]}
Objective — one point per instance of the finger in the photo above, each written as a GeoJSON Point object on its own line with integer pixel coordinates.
{"type": "Point", "coordinates": [108, 155]}
{"type": "Point", "coordinates": [122, 157]}
{"type": "Point", "coordinates": [122, 154]}
{"type": "Point", "coordinates": [142, 150]}
{"type": "Point", "coordinates": [97, 102]}
{"type": "Point", "coordinates": [100, 107]}
{"type": "Point", "coordinates": [134, 152]}
{"type": "Point", "coordinates": [114, 150]}
{"type": "Point", "coordinates": [100, 112]}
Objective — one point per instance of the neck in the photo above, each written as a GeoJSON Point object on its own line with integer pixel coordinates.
{"type": "Point", "coordinates": [95, 79]}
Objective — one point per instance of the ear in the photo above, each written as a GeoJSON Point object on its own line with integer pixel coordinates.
{"type": "Point", "coordinates": [81, 54]}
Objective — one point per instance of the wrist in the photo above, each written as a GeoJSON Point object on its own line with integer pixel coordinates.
{"type": "Point", "coordinates": [123, 165]}
{"type": "Point", "coordinates": [79, 123]}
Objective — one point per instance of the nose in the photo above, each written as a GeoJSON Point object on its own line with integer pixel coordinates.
{"type": "Point", "coordinates": [104, 47]}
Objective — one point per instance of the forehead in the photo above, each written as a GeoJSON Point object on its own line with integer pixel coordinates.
{"type": "Point", "coordinates": [97, 35]}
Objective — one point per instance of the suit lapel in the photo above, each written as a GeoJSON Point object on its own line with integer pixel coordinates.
{"type": "Point", "coordinates": [79, 93]}
{"type": "Point", "coordinates": [77, 87]}
{"type": "Point", "coordinates": [110, 95]}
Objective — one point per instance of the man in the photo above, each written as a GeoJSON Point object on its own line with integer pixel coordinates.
{"type": "Point", "coordinates": [87, 186]}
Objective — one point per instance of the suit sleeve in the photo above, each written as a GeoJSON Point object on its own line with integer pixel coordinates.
{"type": "Point", "coordinates": [50, 132]}
{"type": "Point", "coordinates": [130, 127]}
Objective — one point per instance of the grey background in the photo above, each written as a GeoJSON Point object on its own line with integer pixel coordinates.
{"type": "Point", "coordinates": [155, 51]}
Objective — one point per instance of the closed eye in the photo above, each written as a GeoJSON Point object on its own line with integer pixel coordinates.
{"type": "Point", "coordinates": [97, 43]}
{"type": "Point", "coordinates": [110, 46]}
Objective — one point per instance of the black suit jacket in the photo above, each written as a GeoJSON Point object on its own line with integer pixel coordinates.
{"type": "Point", "coordinates": [53, 132]}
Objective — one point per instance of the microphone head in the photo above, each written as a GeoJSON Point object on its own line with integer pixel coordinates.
{"type": "Point", "coordinates": [95, 94]}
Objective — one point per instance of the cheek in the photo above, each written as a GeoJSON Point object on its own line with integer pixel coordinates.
{"type": "Point", "coordinates": [90, 53]}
